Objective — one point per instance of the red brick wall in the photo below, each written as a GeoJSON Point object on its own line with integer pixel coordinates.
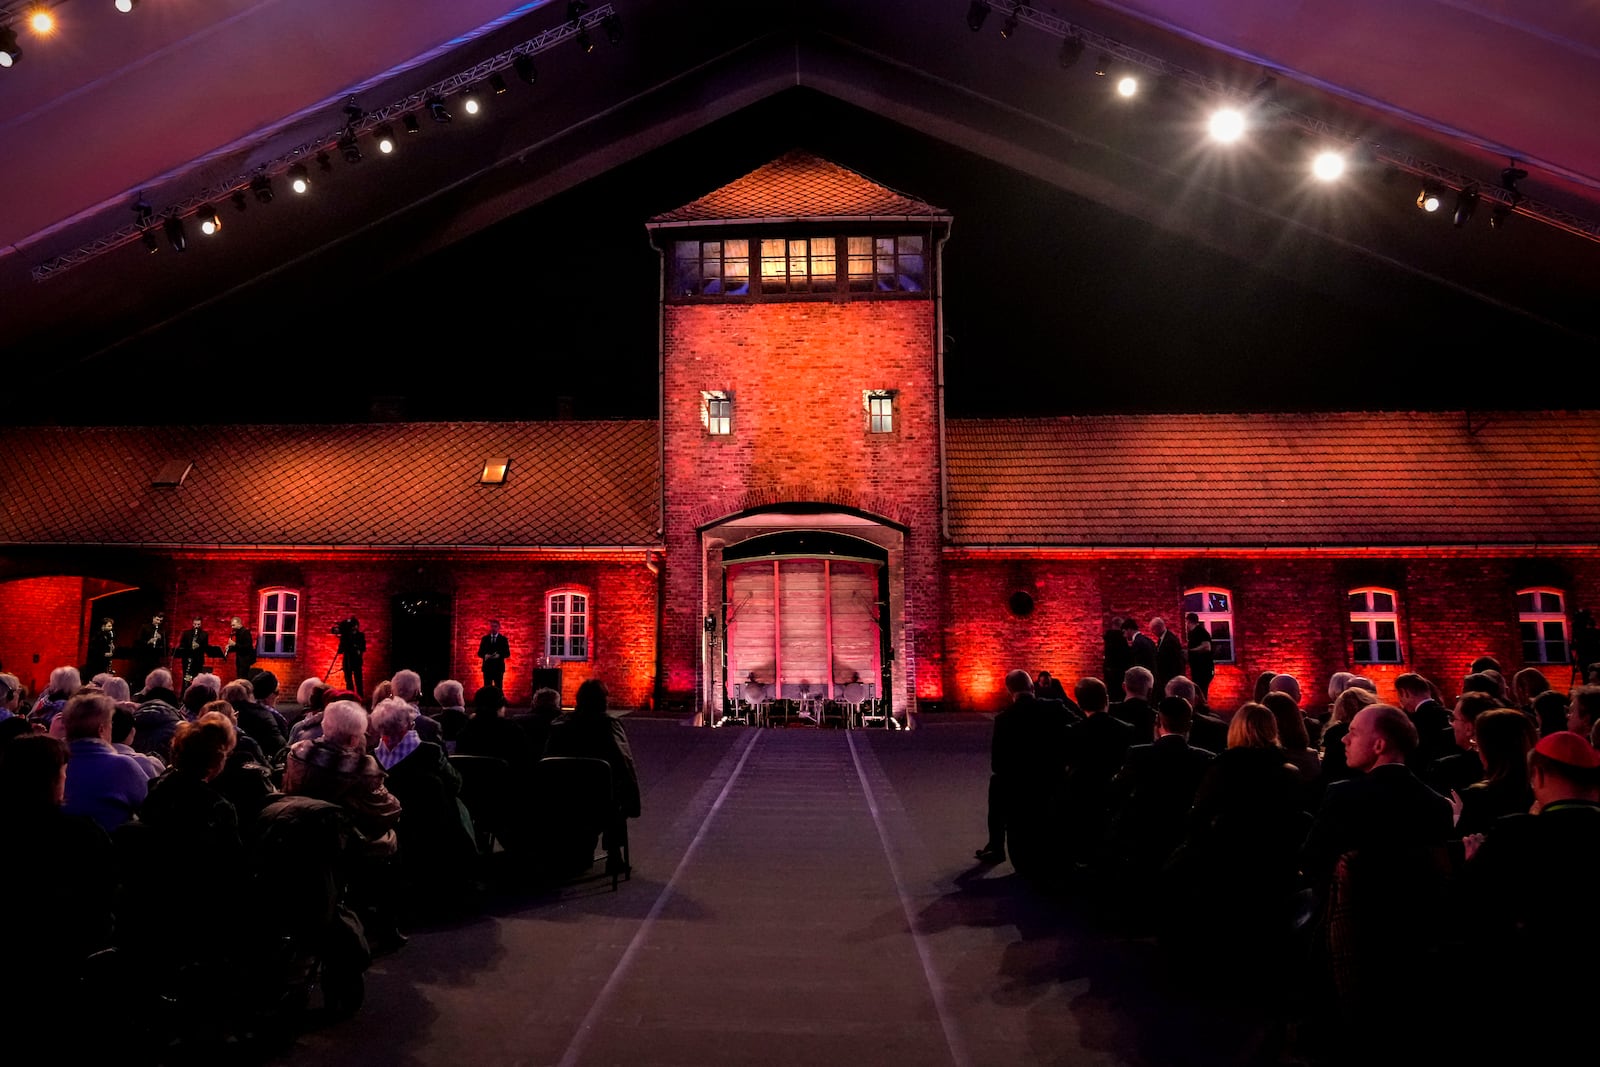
{"type": "Point", "coordinates": [1290, 615]}
{"type": "Point", "coordinates": [797, 372]}
{"type": "Point", "coordinates": [622, 613]}
{"type": "Point", "coordinates": [41, 624]}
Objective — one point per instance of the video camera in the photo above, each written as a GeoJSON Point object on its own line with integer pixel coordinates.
{"type": "Point", "coordinates": [345, 627]}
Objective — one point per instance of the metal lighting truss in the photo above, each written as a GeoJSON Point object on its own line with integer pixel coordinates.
{"type": "Point", "coordinates": [1487, 190]}
{"type": "Point", "coordinates": [551, 38]}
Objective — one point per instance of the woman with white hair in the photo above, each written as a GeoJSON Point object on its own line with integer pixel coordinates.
{"type": "Point", "coordinates": [437, 843]}
{"type": "Point", "coordinates": [64, 681]}
{"type": "Point", "coordinates": [336, 768]}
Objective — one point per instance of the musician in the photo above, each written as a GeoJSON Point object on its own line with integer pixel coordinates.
{"type": "Point", "coordinates": [242, 646]}
{"type": "Point", "coordinates": [102, 648]}
{"type": "Point", "coordinates": [193, 648]}
{"type": "Point", "coordinates": [150, 647]}
{"type": "Point", "coordinates": [494, 650]}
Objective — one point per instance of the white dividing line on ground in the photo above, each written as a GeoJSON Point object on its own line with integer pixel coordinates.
{"type": "Point", "coordinates": [586, 1027]}
{"type": "Point", "coordinates": [952, 1040]}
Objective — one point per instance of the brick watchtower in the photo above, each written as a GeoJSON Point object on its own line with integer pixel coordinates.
{"type": "Point", "coordinates": [801, 438]}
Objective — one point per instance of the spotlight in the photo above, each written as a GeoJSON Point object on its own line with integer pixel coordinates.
{"type": "Point", "coordinates": [497, 84]}
{"type": "Point", "coordinates": [410, 122]}
{"type": "Point", "coordinates": [1466, 204]}
{"type": "Point", "coordinates": [352, 112]}
{"type": "Point", "coordinates": [1266, 89]}
{"type": "Point", "coordinates": [41, 19]}
{"type": "Point", "coordinates": [300, 178]}
{"type": "Point", "coordinates": [1071, 51]}
{"type": "Point", "coordinates": [575, 10]}
{"type": "Point", "coordinates": [585, 43]}
{"type": "Point", "coordinates": [385, 137]}
{"type": "Point", "coordinates": [126, 6]}
{"type": "Point", "coordinates": [148, 237]}
{"type": "Point", "coordinates": [1428, 199]}
{"type": "Point", "coordinates": [1009, 26]}
{"type": "Point", "coordinates": [238, 200]}
{"type": "Point", "coordinates": [349, 148]}
{"type": "Point", "coordinates": [1509, 179]}
{"type": "Point", "coordinates": [523, 65]}
{"type": "Point", "coordinates": [1226, 125]}
{"type": "Point", "coordinates": [1328, 165]}
{"type": "Point", "coordinates": [324, 164]}
{"type": "Point", "coordinates": [142, 210]}
{"type": "Point", "coordinates": [437, 109]}
{"type": "Point", "coordinates": [210, 221]}
{"type": "Point", "coordinates": [261, 186]}
{"type": "Point", "coordinates": [9, 52]}
{"type": "Point", "coordinates": [1127, 85]}
{"type": "Point", "coordinates": [469, 101]}
{"type": "Point", "coordinates": [976, 15]}
{"type": "Point", "coordinates": [175, 235]}
{"type": "Point", "coordinates": [1500, 216]}
{"type": "Point", "coordinates": [612, 24]}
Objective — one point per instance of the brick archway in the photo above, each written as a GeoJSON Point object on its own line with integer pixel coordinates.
{"type": "Point", "coordinates": [798, 498]}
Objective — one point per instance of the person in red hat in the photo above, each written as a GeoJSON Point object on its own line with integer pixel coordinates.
{"type": "Point", "coordinates": [1528, 885]}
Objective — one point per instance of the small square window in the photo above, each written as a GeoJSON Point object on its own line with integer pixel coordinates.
{"type": "Point", "coordinates": [494, 470]}
{"type": "Point", "coordinates": [716, 413]}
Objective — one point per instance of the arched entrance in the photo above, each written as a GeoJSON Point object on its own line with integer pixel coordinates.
{"type": "Point", "coordinates": [803, 614]}
{"type": "Point", "coordinates": [422, 630]}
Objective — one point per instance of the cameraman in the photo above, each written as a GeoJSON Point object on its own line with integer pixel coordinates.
{"type": "Point", "coordinates": [352, 646]}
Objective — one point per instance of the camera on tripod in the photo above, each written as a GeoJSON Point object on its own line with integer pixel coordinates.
{"type": "Point", "coordinates": [345, 627]}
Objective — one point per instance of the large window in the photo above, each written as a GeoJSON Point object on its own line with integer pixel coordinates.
{"type": "Point", "coordinates": [786, 266]}
{"type": "Point", "coordinates": [710, 268]}
{"type": "Point", "coordinates": [567, 625]}
{"type": "Point", "coordinates": [278, 622]}
{"type": "Point", "coordinates": [1375, 626]}
{"type": "Point", "coordinates": [1542, 614]}
{"type": "Point", "coordinates": [888, 264]}
{"type": "Point", "coordinates": [1215, 609]}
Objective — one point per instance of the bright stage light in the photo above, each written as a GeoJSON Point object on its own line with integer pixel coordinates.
{"type": "Point", "coordinates": [1328, 166]}
{"type": "Point", "coordinates": [1127, 85]}
{"type": "Point", "coordinates": [1226, 125]}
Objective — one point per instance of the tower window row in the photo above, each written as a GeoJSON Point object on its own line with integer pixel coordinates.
{"type": "Point", "coordinates": [788, 266]}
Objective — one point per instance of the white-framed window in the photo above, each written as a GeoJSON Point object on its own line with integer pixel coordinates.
{"type": "Point", "coordinates": [1374, 626]}
{"type": "Point", "coordinates": [1542, 616]}
{"type": "Point", "coordinates": [1215, 610]}
{"type": "Point", "coordinates": [880, 410]}
{"type": "Point", "coordinates": [278, 622]}
{"type": "Point", "coordinates": [716, 412]}
{"type": "Point", "coordinates": [567, 624]}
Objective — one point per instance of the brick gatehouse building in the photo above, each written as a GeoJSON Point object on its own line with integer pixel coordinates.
{"type": "Point", "coordinates": [803, 511]}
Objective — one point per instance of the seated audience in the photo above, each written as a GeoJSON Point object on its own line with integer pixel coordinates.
{"type": "Point", "coordinates": [1135, 708]}
{"type": "Point", "coordinates": [1345, 706]}
{"type": "Point", "coordinates": [1152, 793]}
{"type": "Point", "coordinates": [488, 733]}
{"type": "Point", "coordinates": [545, 709]}
{"type": "Point", "coordinates": [436, 841]}
{"type": "Point", "coordinates": [256, 721]}
{"type": "Point", "coordinates": [451, 697]}
{"type": "Point", "coordinates": [1463, 766]}
{"type": "Point", "coordinates": [408, 687]}
{"type": "Point", "coordinates": [1419, 699]}
{"type": "Point", "coordinates": [1206, 730]}
{"type": "Point", "coordinates": [1550, 712]}
{"type": "Point", "coordinates": [64, 682]}
{"type": "Point", "coordinates": [1583, 710]}
{"type": "Point", "coordinates": [102, 783]}
{"type": "Point", "coordinates": [1095, 749]}
{"type": "Point", "coordinates": [591, 730]}
{"type": "Point", "coordinates": [158, 716]}
{"type": "Point", "coordinates": [1503, 739]}
{"type": "Point", "coordinates": [122, 735]}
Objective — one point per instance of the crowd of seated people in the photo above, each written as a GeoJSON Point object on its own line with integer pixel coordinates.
{"type": "Point", "coordinates": [1345, 865]}
{"type": "Point", "coordinates": [320, 834]}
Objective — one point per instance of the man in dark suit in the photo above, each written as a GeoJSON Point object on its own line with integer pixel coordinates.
{"type": "Point", "coordinates": [1436, 739]}
{"type": "Point", "coordinates": [1026, 756]}
{"type": "Point", "coordinates": [102, 648]}
{"type": "Point", "coordinates": [243, 647]}
{"type": "Point", "coordinates": [1095, 750]}
{"type": "Point", "coordinates": [1202, 662]}
{"type": "Point", "coordinates": [150, 648]}
{"type": "Point", "coordinates": [1528, 883]}
{"type": "Point", "coordinates": [1136, 709]}
{"type": "Point", "coordinates": [1152, 794]}
{"type": "Point", "coordinates": [1116, 656]}
{"type": "Point", "coordinates": [1169, 653]}
{"type": "Point", "coordinates": [1141, 650]}
{"type": "Point", "coordinates": [493, 651]}
{"type": "Point", "coordinates": [193, 648]}
{"type": "Point", "coordinates": [352, 649]}
{"type": "Point", "coordinates": [1206, 730]}
{"type": "Point", "coordinates": [1386, 808]}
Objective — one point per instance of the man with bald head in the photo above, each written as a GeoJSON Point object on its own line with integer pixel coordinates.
{"type": "Point", "coordinates": [1026, 760]}
{"type": "Point", "coordinates": [1385, 807]}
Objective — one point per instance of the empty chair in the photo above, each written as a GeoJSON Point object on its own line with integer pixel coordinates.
{"type": "Point", "coordinates": [852, 693]}
{"type": "Point", "coordinates": [577, 807]}
{"type": "Point", "coordinates": [486, 790]}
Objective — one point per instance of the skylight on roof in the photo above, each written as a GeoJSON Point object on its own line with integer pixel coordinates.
{"type": "Point", "coordinates": [172, 474]}
{"type": "Point", "coordinates": [494, 470]}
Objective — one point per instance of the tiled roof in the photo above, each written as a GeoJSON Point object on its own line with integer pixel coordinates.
{"type": "Point", "coordinates": [1351, 478]}
{"type": "Point", "coordinates": [799, 185]}
{"type": "Point", "coordinates": [391, 484]}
